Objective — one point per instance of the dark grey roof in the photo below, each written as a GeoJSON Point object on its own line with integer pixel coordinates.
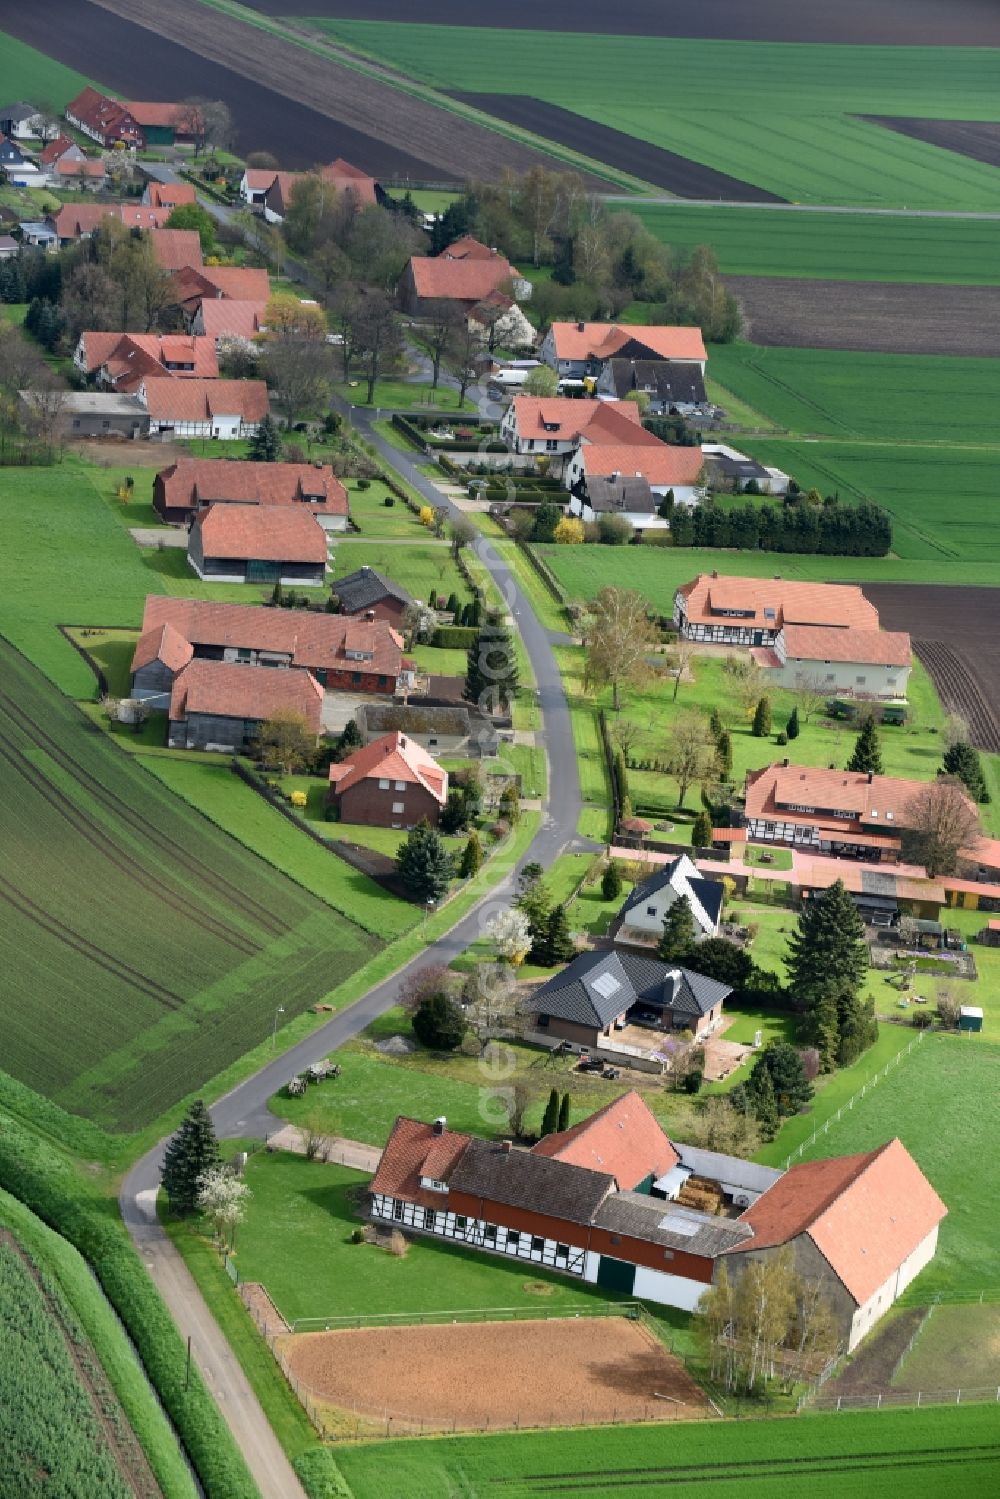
{"type": "Point", "coordinates": [519, 1179]}
{"type": "Point", "coordinates": [729, 1169]}
{"type": "Point", "coordinates": [365, 588]}
{"type": "Point", "coordinates": [597, 987]}
{"type": "Point", "coordinates": [709, 892]}
{"type": "Point", "coordinates": [873, 883]}
{"type": "Point", "coordinates": [414, 718]}
{"type": "Point", "coordinates": [736, 468]}
{"type": "Point", "coordinates": [19, 111]}
{"type": "Point", "coordinates": [638, 1216]}
{"type": "Point", "coordinates": [613, 496]}
{"type": "Point", "coordinates": [671, 382]}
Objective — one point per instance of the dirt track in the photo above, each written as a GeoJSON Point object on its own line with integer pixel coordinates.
{"type": "Point", "coordinates": [902, 23]}
{"type": "Point", "coordinates": [956, 635]}
{"type": "Point", "coordinates": [456, 149]}
{"type": "Point", "coordinates": [887, 317]}
{"type": "Point", "coordinates": [676, 174]}
{"type": "Point", "coordinates": [561, 1372]}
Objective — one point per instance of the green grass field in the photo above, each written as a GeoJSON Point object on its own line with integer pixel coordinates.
{"type": "Point", "coordinates": [404, 395]}
{"type": "Point", "coordinates": [28, 74]}
{"type": "Point", "coordinates": [831, 246]}
{"type": "Point", "coordinates": [420, 567]}
{"type": "Point", "coordinates": [104, 870]}
{"type": "Point", "coordinates": [958, 1347]}
{"type": "Point", "coordinates": [926, 1454]}
{"type": "Point", "coordinates": [888, 397]}
{"type": "Point", "coordinates": [374, 518]}
{"type": "Point", "coordinates": [781, 115]}
{"type": "Point", "coordinates": [940, 1101]}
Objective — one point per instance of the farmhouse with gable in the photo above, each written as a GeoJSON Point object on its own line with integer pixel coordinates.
{"type": "Point", "coordinates": [607, 1201]}
{"type": "Point", "coordinates": [258, 544]}
{"type": "Point", "coordinates": [193, 484]}
{"type": "Point", "coordinates": [219, 707]}
{"type": "Point", "coordinates": [750, 611]}
{"type": "Point", "coordinates": [390, 783]}
{"type": "Point", "coordinates": [578, 351]}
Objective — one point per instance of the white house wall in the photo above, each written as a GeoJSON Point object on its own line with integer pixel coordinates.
{"type": "Point", "coordinates": [477, 1233]}
{"type": "Point", "coordinates": [876, 1306]}
{"type": "Point", "coordinates": [668, 1290]}
{"type": "Point", "coordinates": [844, 678]}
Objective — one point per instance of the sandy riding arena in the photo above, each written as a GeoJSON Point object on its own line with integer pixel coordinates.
{"type": "Point", "coordinates": [559, 1372]}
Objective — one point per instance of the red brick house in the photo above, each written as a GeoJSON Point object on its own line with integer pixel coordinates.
{"type": "Point", "coordinates": [390, 783]}
{"type": "Point", "coordinates": [863, 1226]}
{"type": "Point", "coordinates": [465, 273]}
{"type": "Point", "coordinates": [370, 593]}
{"type": "Point", "coordinates": [169, 195]}
{"type": "Point", "coordinates": [193, 484]}
{"type": "Point", "coordinates": [258, 544]}
{"type": "Point", "coordinates": [347, 655]}
{"type": "Point", "coordinates": [214, 706]}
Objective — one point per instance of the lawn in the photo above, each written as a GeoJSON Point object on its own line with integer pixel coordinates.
{"type": "Point", "coordinates": [958, 1347]}
{"type": "Point", "coordinates": [404, 395]}
{"type": "Point", "coordinates": [941, 1102]}
{"type": "Point", "coordinates": [105, 867]}
{"type": "Point", "coordinates": [831, 246]}
{"type": "Point", "coordinates": [374, 518]}
{"type": "Point", "coordinates": [424, 567]}
{"type": "Point", "coordinates": [112, 651]}
{"type": "Point", "coordinates": [28, 74]}
{"type": "Point", "coordinates": [787, 121]}
{"type": "Point", "coordinates": [296, 1241]}
{"type": "Point", "coordinates": [928, 1454]}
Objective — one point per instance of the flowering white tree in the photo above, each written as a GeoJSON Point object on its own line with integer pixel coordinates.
{"type": "Point", "coordinates": [237, 356]}
{"type": "Point", "coordinates": [510, 933]}
{"type": "Point", "coordinates": [223, 1196]}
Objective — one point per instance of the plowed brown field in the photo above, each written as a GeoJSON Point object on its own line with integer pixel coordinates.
{"type": "Point", "coordinates": [888, 317]}
{"type": "Point", "coordinates": [978, 139]}
{"type": "Point", "coordinates": [462, 1376]}
{"type": "Point", "coordinates": [901, 23]}
{"type": "Point", "coordinates": [457, 148]}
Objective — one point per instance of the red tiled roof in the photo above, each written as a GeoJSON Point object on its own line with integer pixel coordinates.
{"type": "Point", "coordinates": [168, 399]}
{"type": "Point", "coordinates": [880, 799]}
{"type": "Point", "coordinates": [347, 178]}
{"type": "Point", "coordinates": [564, 419]}
{"type": "Point", "coordinates": [860, 647]}
{"type": "Point", "coordinates": [129, 357]}
{"type": "Point", "coordinates": [75, 167]}
{"type": "Point", "coordinates": [162, 643]}
{"type": "Point", "coordinates": [72, 220]}
{"type": "Point", "coordinates": [622, 1139]}
{"type": "Point", "coordinates": [106, 117]}
{"type": "Point", "coordinates": [176, 248]}
{"type": "Point", "coordinates": [55, 149]}
{"type": "Point", "coordinates": [396, 758]}
{"type": "Point", "coordinates": [312, 640]}
{"type": "Point", "coordinates": [604, 339]}
{"type": "Point", "coordinates": [268, 533]}
{"type": "Point", "coordinates": [242, 283]}
{"type": "Point", "coordinates": [191, 482]}
{"type": "Point", "coordinates": [259, 179]}
{"type": "Point", "coordinates": [865, 1213]}
{"type": "Point", "coordinates": [661, 464]}
{"type": "Point", "coordinates": [413, 1150]}
{"type": "Point", "coordinates": [171, 194]}
{"type": "Point", "coordinates": [466, 247]}
{"type": "Point", "coordinates": [254, 692]}
{"type": "Point", "coordinates": [459, 280]}
{"type": "Point", "coordinates": [839, 604]}
{"type": "Point", "coordinates": [222, 317]}
{"type": "Point", "coordinates": [153, 114]}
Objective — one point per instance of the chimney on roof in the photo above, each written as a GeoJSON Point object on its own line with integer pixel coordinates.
{"type": "Point", "coordinates": [785, 762]}
{"type": "Point", "coordinates": [440, 1124]}
{"type": "Point", "coordinates": [871, 777]}
{"type": "Point", "coordinates": [777, 577]}
{"type": "Point", "coordinates": [370, 616]}
{"type": "Point", "coordinates": [505, 1146]}
{"type": "Point", "coordinates": [715, 572]}
{"type": "Point", "coordinates": [615, 476]}
{"type": "Point", "coordinates": [580, 327]}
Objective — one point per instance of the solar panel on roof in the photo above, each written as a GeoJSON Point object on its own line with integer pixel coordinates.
{"type": "Point", "coordinates": [685, 1228]}
{"type": "Point", "coordinates": [606, 984]}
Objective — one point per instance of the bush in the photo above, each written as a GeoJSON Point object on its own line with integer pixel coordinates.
{"type": "Point", "coordinates": [615, 530]}
{"type": "Point", "coordinates": [358, 1236]}
{"type": "Point", "coordinates": [389, 501]}
{"type": "Point", "coordinates": [781, 738]}
{"type": "Point", "coordinates": [693, 1080]}
{"type": "Point", "coordinates": [364, 484]}
{"type": "Point", "coordinates": [457, 637]}
{"type": "Point", "coordinates": [438, 1023]}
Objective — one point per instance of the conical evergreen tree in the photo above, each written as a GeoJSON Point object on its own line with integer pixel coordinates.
{"type": "Point", "coordinates": [424, 864]}
{"type": "Point", "coordinates": [472, 857]}
{"type": "Point", "coordinates": [550, 1119]}
{"type": "Point", "coordinates": [867, 756]}
{"type": "Point", "coordinates": [563, 1113]}
{"type": "Point", "coordinates": [715, 724]}
{"type": "Point", "coordinates": [611, 881]}
{"type": "Point", "coordinates": [961, 760]}
{"type": "Point", "coordinates": [857, 1027]}
{"type": "Point", "coordinates": [678, 932]}
{"type": "Point", "coordinates": [827, 962]}
{"type": "Point", "coordinates": [724, 755]}
{"type": "Point", "coordinates": [192, 1151]}
{"type": "Point", "coordinates": [559, 943]}
{"type": "Point", "coordinates": [760, 1091]}
{"type": "Point", "coordinates": [762, 719]}
{"type": "Point", "coordinates": [792, 726]}
{"type": "Point", "coordinates": [792, 1089]}
{"type": "Point", "coordinates": [701, 831]}
{"type": "Point", "coordinates": [491, 666]}
{"type": "Point", "coordinates": [820, 1026]}
{"type": "Point", "coordinates": [265, 445]}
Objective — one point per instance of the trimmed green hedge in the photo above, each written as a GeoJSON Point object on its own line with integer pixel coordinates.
{"type": "Point", "coordinates": [45, 1181]}
{"type": "Point", "coordinates": [421, 438]}
{"type": "Point", "coordinates": [459, 637]}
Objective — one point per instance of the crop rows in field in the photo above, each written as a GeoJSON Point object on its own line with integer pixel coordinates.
{"type": "Point", "coordinates": [785, 118]}
{"type": "Point", "coordinates": [51, 1439]}
{"type": "Point", "coordinates": [910, 1454]}
{"type": "Point", "coordinates": [832, 246]}
{"type": "Point", "coordinates": [144, 949]}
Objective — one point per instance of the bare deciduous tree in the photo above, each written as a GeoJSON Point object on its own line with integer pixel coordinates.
{"type": "Point", "coordinates": [690, 751]}
{"type": "Point", "coordinates": [810, 695]}
{"type": "Point", "coordinates": [941, 821]}
{"type": "Point", "coordinates": [620, 635]}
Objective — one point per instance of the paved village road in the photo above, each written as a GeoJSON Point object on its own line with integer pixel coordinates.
{"type": "Point", "coordinates": [244, 1111]}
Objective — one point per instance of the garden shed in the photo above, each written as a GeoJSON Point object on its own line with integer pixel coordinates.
{"type": "Point", "coordinates": [970, 1018]}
